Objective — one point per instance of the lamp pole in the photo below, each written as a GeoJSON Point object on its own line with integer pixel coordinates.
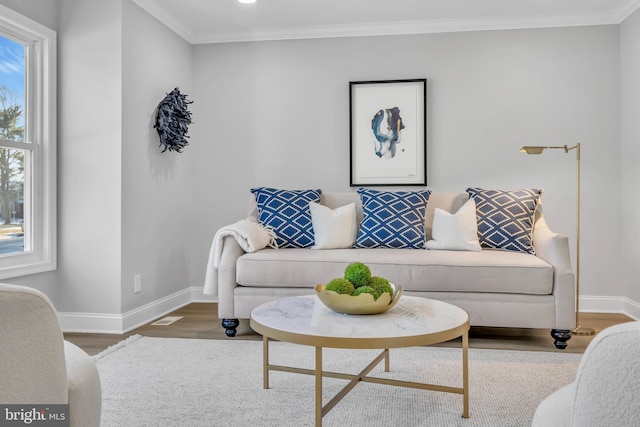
{"type": "Point", "coordinates": [579, 330]}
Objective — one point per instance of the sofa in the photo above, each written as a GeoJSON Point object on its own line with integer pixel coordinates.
{"type": "Point", "coordinates": [533, 288]}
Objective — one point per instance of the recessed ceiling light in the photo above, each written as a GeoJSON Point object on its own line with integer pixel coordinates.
{"type": "Point", "coordinates": [247, 1]}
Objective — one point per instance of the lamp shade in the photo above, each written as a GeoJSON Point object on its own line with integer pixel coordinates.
{"type": "Point", "coordinates": [532, 149]}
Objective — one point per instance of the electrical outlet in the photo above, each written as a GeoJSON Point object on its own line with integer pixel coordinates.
{"type": "Point", "coordinates": [137, 283]}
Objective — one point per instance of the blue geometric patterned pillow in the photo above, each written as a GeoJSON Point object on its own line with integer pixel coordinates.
{"type": "Point", "coordinates": [505, 218]}
{"type": "Point", "coordinates": [287, 212]}
{"type": "Point", "coordinates": [392, 219]}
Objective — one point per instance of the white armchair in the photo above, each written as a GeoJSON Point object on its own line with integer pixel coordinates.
{"type": "Point", "coordinates": [37, 366]}
{"type": "Point", "coordinates": [605, 391]}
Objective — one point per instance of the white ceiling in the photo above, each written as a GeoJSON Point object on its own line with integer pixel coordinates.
{"type": "Point", "coordinates": [219, 21]}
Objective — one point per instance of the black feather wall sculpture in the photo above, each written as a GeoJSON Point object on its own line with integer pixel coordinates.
{"type": "Point", "coordinates": [172, 121]}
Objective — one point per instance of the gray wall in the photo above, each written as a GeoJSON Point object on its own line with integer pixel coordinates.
{"type": "Point", "coordinates": [630, 159]}
{"type": "Point", "coordinates": [156, 190]}
{"type": "Point", "coordinates": [276, 114]}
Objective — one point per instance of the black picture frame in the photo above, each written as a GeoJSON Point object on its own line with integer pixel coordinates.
{"type": "Point", "coordinates": [388, 133]}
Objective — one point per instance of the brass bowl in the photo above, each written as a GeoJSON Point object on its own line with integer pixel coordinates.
{"type": "Point", "coordinates": [361, 304]}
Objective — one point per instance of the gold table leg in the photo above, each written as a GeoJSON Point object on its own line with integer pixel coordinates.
{"type": "Point", "coordinates": [386, 361]}
{"type": "Point", "coordinates": [318, 386]}
{"type": "Point", "coordinates": [465, 374]}
{"type": "Point", "coordinates": [265, 362]}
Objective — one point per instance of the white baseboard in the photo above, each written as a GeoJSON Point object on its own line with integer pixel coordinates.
{"type": "Point", "coordinates": [100, 323]}
{"type": "Point", "coordinates": [148, 312]}
{"type": "Point", "coordinates": [632, 309]}
{"type": "Point", "coordinates": [198, 296]}
{"type": "Point", "coordinates": [607, 304]}
{"type": "Point", "coordinates": [96, 323]}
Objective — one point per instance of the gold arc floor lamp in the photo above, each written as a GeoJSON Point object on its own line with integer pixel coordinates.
{"type": "Point", "coordinates": [579, 330]}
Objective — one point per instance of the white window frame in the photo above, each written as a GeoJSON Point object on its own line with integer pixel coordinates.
{"type": "Point", "coordinates": [40, 127]}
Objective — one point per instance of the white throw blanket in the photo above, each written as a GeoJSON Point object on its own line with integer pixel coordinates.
{"type": "Point", "coordinates": [250, 235]}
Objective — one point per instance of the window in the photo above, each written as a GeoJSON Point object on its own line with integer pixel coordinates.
{"type": "Point", "coordinates": [27, 146]}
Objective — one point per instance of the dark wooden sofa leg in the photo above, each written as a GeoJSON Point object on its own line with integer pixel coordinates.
{"type": "Point", "coordinates": [230, 326]}
{"type": "Point", "coordinates": [561, 337]}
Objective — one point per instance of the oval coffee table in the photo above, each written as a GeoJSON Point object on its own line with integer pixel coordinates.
{"type": "Point", "coordinates": [412, 322]}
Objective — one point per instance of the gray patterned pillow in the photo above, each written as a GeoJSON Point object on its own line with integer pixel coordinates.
{"type": "Point", "coordinates": [505, 218]}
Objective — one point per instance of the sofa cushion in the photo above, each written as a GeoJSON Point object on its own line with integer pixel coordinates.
{"type": "Point", "coordinates": [287, 213]}
{"type": "Point", "coordinates": [392, 219]}
{"type": "Point", "coordinates": [505, 218]}
{"type": "Point", "coordinates": [446, 271]}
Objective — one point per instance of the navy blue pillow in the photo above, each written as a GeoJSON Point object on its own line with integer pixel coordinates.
{"type": "Point", "coordinates": [392, 219]}
{"type": "Point", "coordinates": [287, 213]}
{"type": "Point", "coordinates": [505, 218]}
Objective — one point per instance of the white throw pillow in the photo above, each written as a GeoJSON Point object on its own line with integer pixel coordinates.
{"type": "Point", "coordinates": [455, 232]}
{"type": "Point", "coordinates": [333, 228]}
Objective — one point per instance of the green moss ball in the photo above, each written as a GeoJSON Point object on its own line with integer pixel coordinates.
{"type": "Point", "coordinates": [367, 290]}
{"type": "Point", "coordinates": [381, 285]}
{"type": "Point", "coordinates": [341, 286]}
{"type": "Point", "coordinates": [358, 274]}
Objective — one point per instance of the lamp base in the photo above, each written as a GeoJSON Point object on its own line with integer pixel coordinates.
{"type": "Point", "coordinates": [580, 330]}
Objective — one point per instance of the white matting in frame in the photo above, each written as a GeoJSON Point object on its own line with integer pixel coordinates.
{"type": "Point", "coordinates": [388, 132]}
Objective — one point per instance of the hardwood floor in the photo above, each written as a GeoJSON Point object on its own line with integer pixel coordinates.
{"type": "Point", "coordinates": [200, 320]}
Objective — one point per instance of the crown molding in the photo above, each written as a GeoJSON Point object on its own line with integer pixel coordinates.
{"type": "Point", "coordinates": [391, 28]}
{"type": "Point", "coordinates": [625, 9]}
{"type": "Point", "coordinates": [406, 28]}
{"type": "Point", "coordinates": [167, 19]}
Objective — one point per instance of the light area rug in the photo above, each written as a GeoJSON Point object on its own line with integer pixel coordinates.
{"type": "Point", "coordinates": [176, 382]}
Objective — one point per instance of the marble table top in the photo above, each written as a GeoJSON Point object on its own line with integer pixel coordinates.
{"type": "Point", "coordinates": [306, 320]}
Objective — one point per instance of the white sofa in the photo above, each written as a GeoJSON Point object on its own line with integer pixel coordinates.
{"type": "Point", "coordinates": [497, 288]}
